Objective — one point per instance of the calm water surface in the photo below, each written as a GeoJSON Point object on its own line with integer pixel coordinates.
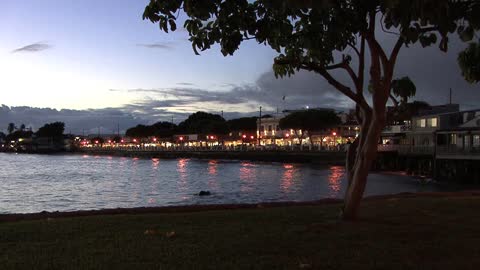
{"type": "Point", "coordinates": [34, 183]}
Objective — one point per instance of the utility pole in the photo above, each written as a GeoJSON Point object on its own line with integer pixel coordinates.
{"type": "Point", "coordinates": [222, 113]}
{"type": "Point", "coordinates": [450, 96]}
{"type": "Point", "coordinates": [118, 129]}
{"type": "Point", "coordinates": [259, 125]}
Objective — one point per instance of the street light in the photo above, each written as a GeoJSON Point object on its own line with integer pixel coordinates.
{"type": "Point", "coordinates": [334, 138]}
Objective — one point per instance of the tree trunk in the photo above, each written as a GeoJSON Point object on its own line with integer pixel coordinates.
{"type": "Point", "coordinates": [350, 163]}
{"type": "Point", "coordinates": [358, 172]}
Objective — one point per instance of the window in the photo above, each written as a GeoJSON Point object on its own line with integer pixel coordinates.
{"type": "Point", "coordinates": [453, 139]}
{"type": "Point", "coordinates": [262, 128]}
{"type": "Point", "coordinates": [269, 127]}
{"type": "Point", "coordinates": [420, 123]}
{"type": "Point", "coordinates": [466, 141]}
{"type": "Point", "coordinates": [278, 128]}
{"type": "Point", "coordinates": [476, 140]}
{"type": "Point", "coordinates": [432, 122]}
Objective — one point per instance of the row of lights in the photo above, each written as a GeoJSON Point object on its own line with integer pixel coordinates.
{"type": "Point", "coordinates": [181, 138]}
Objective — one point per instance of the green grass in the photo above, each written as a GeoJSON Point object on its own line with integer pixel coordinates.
{"type": "Point", "coordinates": [420, 233]}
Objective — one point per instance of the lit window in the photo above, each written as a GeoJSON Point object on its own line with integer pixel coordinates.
{"type": "Point", "coordinates": [422, 123]}
{"type": "Point", "coordinates": [432, 122]}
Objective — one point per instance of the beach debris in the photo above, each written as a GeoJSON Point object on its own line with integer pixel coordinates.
{"type": "Point", "coordinates": [204, 193]}
{"type": "Point", "coordinates": [150, 232]}
{"type": "Point", "coordinates": [170, 234]}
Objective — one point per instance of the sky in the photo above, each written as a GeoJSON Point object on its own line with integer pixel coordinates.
{"type": "Point", "coordinates": [96, 64]}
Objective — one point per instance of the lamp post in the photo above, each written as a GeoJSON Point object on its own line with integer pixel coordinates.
{"type": "Point", "coordinates": [259, 125]}
{"type": "Point", "coordinates": [334, 138]}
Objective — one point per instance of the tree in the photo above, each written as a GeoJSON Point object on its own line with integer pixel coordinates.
{"type": "Point", "coordinates": [309, 121]}
{"type": "Point", "coordinates": [203, 123]}
{"type": "Point", "coordinates": [22, 127]}
{"type": "Point", "coordinates": [245, 124]}
{"type": "Point", "coordinates": [469, 62]}
{"type": "Point", "coordinates": [140, 131]}
{"type": "Point", "coordinates": [322, 36]}
{"type": "Point", "coordinates": [51, 130]}
{"type": "Point", "coordinates": [11, 128]}
{"type": "Point", "coordinates": [403, 88]}
{"type": "Point", "coordinates": [18, 134]}
{"type": "Point", "coordinates": [159, 129]}
{"type": "Point", "coordinates": [163, 129]}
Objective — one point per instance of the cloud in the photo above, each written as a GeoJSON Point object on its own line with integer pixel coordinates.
{"type": "Point", "coordinates": [158, 45]}
{"type": "Point", "coordinates": [185, 84]}
{"type": "Point", "coordinates": [303, 89]}
{"type": "Point", "coordinates": [76, 121]}
{"type": "Point", "coordinates": [35, 47]}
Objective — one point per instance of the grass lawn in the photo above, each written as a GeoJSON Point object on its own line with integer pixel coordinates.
{"type": "Point", "coordinates": [409, 233]}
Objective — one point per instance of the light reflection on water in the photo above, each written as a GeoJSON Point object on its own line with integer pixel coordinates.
{"type": "Point", "coordinates": [212, 178]}
{"type": "Point", "coordinates": [34, 183]}
{"type": "Point", "coordinates": [335, 179]}
{"type": "Point", "coordinates": [288, 177]}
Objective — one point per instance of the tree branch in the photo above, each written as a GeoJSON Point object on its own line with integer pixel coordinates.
{"type": "Point", "coordinates": [394, 100]}
{"type": "Point", "coordinates": [385, 30]}
{"type": "Point", "coordinates": [331, 80]}
{"type": "Point", "coordinates": [361, 66]}
{"type": "Point", "coordinates": [351, 45]}
{"type": "Point", "coordinates": [395, 51]}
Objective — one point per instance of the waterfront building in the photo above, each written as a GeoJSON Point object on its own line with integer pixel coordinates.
{"type": "Point", "coordinates": [428, 122]}
{"type": "Point", "coordinates": [463, 141]}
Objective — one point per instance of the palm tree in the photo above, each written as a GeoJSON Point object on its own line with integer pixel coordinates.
{"type": "Point", "coordinates": [11, 128]}
{"type": "Point", "coordinates": [469, 62]}
{"type": "Point", "coordinates": [403, 88]}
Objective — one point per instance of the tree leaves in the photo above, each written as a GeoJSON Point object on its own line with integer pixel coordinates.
{"type": "Point", "coordinates": [404, 88]}
{"type": "Point", "coordinates": [466, 34]}
{"type": "Point", "coordinates": [469, 62]}
{"type": "Point", "coordinates": [312, 31]}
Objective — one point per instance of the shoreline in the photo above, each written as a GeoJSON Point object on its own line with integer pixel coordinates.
{"type": "Point", "coordinates": [16, 217]}
{"type": "Point", "coordinates": [320, 158]}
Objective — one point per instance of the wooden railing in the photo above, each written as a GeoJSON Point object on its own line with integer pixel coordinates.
{"type": "Point", "coordinates": [455, 150]}
{"type": "Point", "coordinates": [407, 149]}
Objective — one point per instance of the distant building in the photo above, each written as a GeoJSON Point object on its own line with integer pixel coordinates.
{"type": "Point", "coordinates": [429, 121]}
{"type": "Point", "coordinates": [463, 140]}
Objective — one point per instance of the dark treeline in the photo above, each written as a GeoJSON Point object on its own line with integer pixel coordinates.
{"type": "Point", "coordinates": [197, 123]}
{"type": "Point", "coordinates": [51, 130]}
